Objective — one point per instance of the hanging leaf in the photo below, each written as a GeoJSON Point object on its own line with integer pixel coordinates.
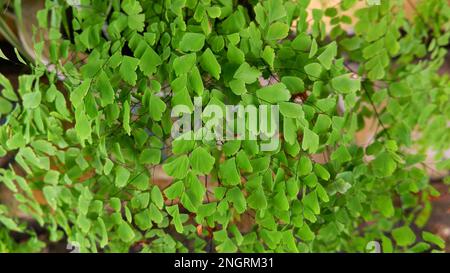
{"type": "Point", "coordinates": [178, 167]}
{"type": "Point", "coordinates": [201, 160]}
{"type": "Point", "coordinates": [274, 93]}
{"type": "Point", "coordinates": [209, 63]}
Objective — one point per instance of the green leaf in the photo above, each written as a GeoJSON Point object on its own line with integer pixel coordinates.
{"type": "Point", "coordinates": [125, 232]}
{"type": "Point", "coordinates": [227, 247]}
{"type": "Point", "coordinates": [156, 107]}
{"type": "Point", "coordinates": [51, 177]}
{"type": "Point", "coordinates": [260, 164]}
{"type": "Point", "coordinates": [51, 195]}
{"type": "Point", "coordinates": [128, 69]}
{"type": "Point", "coordinates": [195, 191]}
{"type": "Point", "coordinates": [274, 93]}
{"type": "Point", "coordinates": [310, 141]}
{"type": "Point", "coordinates": [209, 63]}
{"type": "Point", "coordinates": [322, 124]}
{"type": "Point", "coordinates": [136, 22]}
{"type": "Point", "coordinates": [229, 173]}
{"type": "Point", "coordinates": [313, 70]}
{"type": "Point", "coordinates": [386, 244]}
{"type": "Point", "coordinates": [294, 84]}
{"type": "Point", "coordinates": [237, 198]}
{"type": "Point", "coordinates": [384, 165]}
{"type": "Point", "coordinates": [238, 87]}
{"type": "Point", "coordinates": [183, 144]}
{"type": "Point", "coordinates": [289, 242]}
{"type": "Point", "coordinates": [131, 7]}
{"type": "Point", "coordinates": [155, 214]}
{"type": "Point", "coordinates": [322, 194]}
{"type": "Point", "coordinates": [321, 172]}
{"type": "Point", "coordinates": [247, 73]}
{"type": "Point", "coordinates": [327, 56]}
{"type": "Point", "coordinates": [19, 57]}
{"type": "Point", "coordinates": [83, 223]}
{"type": "Point", "coordinates": [3, 56]}
{"type": "Point", "coordinates": [157, 197]}
{"type": "Point", "coordinates": [304, 166]}
{"type": "Point", "coordinates": [184, 64]}
{"type": "Point", "coordinates": [291, 110]}
{"type": "Point", "coordinates": [150, 156]}
{"type": "Point", "coordinates": [277, 31]}
{"type": "Point", "coordinates": [196, 81]}
{"type": "Point", "coordinates": [192, 42]}
{"type": "Point", "coordinates": [176, 220]}
{"type": "Point", "coordinates": [182, 97]}
{"type": "Point", "coordinates": [122, 176]}
{"type": "Point", "coordinates": [404, 236]}
{"type": "Point", "coordinates": [302, 42]}
{"type": "Point", "coordinates": [32, 100]}
{"type": "Point", "coordinates": [345, 84]}
{"type": "Point", "coordinates": [351, 44]}
{"type": "Point", "coordinates": [235, 55]}
{"type": "Point", "coordinates": [257, 199]}
{"type": "Point", "coordinates": [276, 10]}
{"type": "Point", "coordinates": [206, 210]}
{"type": "Point", "coordinates": [434, 239]}
{"type": "Point", "coordinates": [341, 155]}
{"type": "Point", "coordinates": [305, 233]}
{"type": "Point", "coordinates": [8, 91]}
{"type": "Point", "coordinates": [9, 223]}
{"type": "Point", "coordinates": [142, 219]}
{"type": "Point", "coordinates": [268, 55]}
{"type": "Point", "coordinates": [108, 166]}
{"type": "Point", "coordinates": [342, 186]}
{"type": "Point", "coordinates": [420, 247]}
{"type": "Point", "coordinates": [243, 162]}
{"type": "Point", "coordinates": [290, 131]}
{"type": "Point", "coordinates": [311, 201]}
{"type": "Point", "coordinates": [115, 203]}
{"type": "Point", "coordinates": [400, 89]}
{"type": "Point", "coordinates": [174, 190]}
{"type": "Point", "coordinates": [106, 90]}
{"type": "Point", "coordinates": [280, 201]}
{"type": "Point", "coordinates": [214, 12]}
{"type": "Point", "coordinates": [313, 49]}
{"type": "Point", "coordinates": [202, 161]}
{"type": "Point", "coordinates": [149, 62]}
{"type": "Point", "coordinates": [5, 106]}
{"type": "Point", "coordinates": [140, 181]}
{"type": "Point", "coordinates": [126, 117]}
{"type": "Point", "coordinates": [384, 204]}
{"type": "Point", "coordinates": [292, 188]}
{"type": "Point", "coordinates": [61, 106]}
{"type": "Point", "coordinates": [177, 168]}
{"type": "Point", "coordinates": [82, 126]}
{"type": "Point", "coordinates": [231, 147]}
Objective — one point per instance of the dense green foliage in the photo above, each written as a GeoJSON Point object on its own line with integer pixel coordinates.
{"type": "Point", "coordinates": [91, 123]}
